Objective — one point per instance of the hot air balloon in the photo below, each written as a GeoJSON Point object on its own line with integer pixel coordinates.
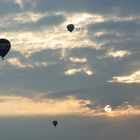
{"type": "Point", "coordinates": [55, 123]}
{"type": "Point", "coordinates": [70, 27]}
{"type": "Point", "coordinates": [5, 46]}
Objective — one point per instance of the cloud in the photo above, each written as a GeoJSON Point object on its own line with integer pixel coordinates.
{"type": "Point", "coordinates": [78, 60]}
{"type": "Point", "coordinates": [121, 26]}
{"type": "Point", "coordinates": [47, 53]}
{"type": "Point", "coordinates": [15, 62]}
{"type": "Point", "coordinates": [79, 70]}
{"type": "Point", "coordinates": [133, 78]}
{"type": "Point", "coordinates": [125, 111]}
{"type": "Point", "coordinates": [118, 34]}
{"type": "Point", "coordinates": [20, 3]}
{"type": "Point", "coordinates": [115, 54]}
{"type": "Point", "coordinates": [119, 53]}
{"type": "Point", "coordinates": [23, 106]}
{"type": "Point", "coordinates": [39, 32]}
{"type": "Point", "coordinates": [16, 105]}
{"type": "Point", "coordinates": [8, 7]}
{"type": "Point", "coordinates": [31, 22]}
{"type": "Point", "coordinates": [95, 6]}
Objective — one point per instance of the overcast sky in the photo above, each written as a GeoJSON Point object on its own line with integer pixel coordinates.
{"type": "Point", "coordinates": [88, 80]}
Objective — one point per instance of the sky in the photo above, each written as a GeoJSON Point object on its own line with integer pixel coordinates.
{"type": "Point", "coordinates": [88, 80]}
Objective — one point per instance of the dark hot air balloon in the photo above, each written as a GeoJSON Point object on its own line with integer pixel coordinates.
{"type": "Point", "coordinates": [55, 123]}
{"type": "Point", "coordinates": [5, 46]}
{"type": "Point", "coordinates": [70, 27]}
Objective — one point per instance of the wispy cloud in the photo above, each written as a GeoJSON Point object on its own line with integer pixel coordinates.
{"type": "Point", "coordinates": [14, 61]}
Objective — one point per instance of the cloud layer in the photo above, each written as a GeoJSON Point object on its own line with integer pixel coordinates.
{"type": "Point", "coordinates": [88, 80]}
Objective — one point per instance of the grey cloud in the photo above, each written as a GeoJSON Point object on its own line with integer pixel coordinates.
{"type": "Point", "coordinates": [40, 79]}
{"type": "Point", "coordinates": [52, 81]}
{"type": "Point", "coordinates": [117, 26]}
{"type": "Point", "coordinates": [94, 6]}
{"type": "Point", "coordinates": [42, 23]}
{"type": "Point", "coordinates": [51, 78]}
{"type": "Point", "coordinates": [53, 20]}
{"type": "Point", "coordinates": [118, 35]}
{"type": "Point", "coordinates": [113, 94]}
{"type": "Point", "coordinates": [35, 78]}
{"type": "Point", "coordinates": [107, 67]}
{"type": "Point", "coordinates": [47, 54]}
{"type": "Point", "coordinates": [8, 7]}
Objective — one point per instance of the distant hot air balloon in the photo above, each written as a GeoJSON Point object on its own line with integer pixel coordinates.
{"type": "Point", "coordinates": [70, 27]}
{"type": "Point", "coordinates": [5, 46]}
{"type": "Point", "coordinates": [55, 123]}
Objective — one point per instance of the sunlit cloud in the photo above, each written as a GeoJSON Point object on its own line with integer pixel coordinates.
{"type": "Point", "coordinates": [74, 71]}
{"type": "Point", "coordinates": [16, 105]}
{"type": "Point", "coordinates": [31, 64]}
{"type": "Point", "coordinates": [100, 33]}
{"type": "Point", "coordinates": [115, 54]}
{"type": "Point", "coordinates": [20, 2]}
{"type": "Point", "coordinates": [83, 19]}
{"type": "Point", "coordinates": [118, 111]}
{"type": "Point", "coordinates": [133, 78]}
{"type": "Point", "coordinates": [128, 110]}
{"type": "Point", "coordinates": [16, 62]}
{"type": "Point", "coordinates": [78, 60]}
{"type": "Point", "coordinates": [23, 106]}
{"type": "Point", "coordinates": [118, 54]}
{"type": "Point", "coordinates": [27, 41]}
{"type": "Point", "coordinates": [27, 17]}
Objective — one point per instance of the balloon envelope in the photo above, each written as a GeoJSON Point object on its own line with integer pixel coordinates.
{"type": "Point", "coordinates": [5, 46]}
{"type": "Point", "coordinates": [70, 27]}
{"type": "Point", "coordinates": [55, 123]}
